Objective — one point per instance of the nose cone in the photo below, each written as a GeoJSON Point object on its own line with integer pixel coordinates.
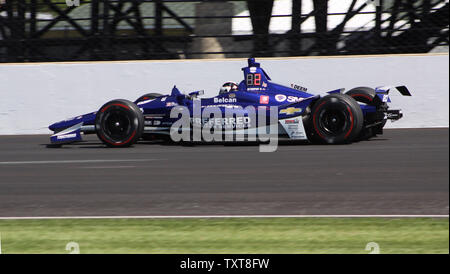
{"type": "Point", "coordinates": [64, 124]}
{"type": "Point", "coordinates": [87, 119]}
{"type": "Point", "coordinates": [53, 127]}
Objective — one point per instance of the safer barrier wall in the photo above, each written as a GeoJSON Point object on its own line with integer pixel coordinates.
{"type": "Point", "coordinates": [32, 96]}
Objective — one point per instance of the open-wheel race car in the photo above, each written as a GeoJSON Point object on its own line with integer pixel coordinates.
{"type": "Point", "coordinates": [336, 118]}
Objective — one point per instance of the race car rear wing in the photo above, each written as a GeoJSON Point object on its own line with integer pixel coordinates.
{"type": "Point", "coordinates": [383, 92]}
{"type": "Point", "coordinates": [403, 90]}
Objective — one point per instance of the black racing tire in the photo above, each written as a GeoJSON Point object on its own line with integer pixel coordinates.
{"type": "Point", "coordinates": [148, 96]}
{"type": "Point", "coordinates": [119, 123]}
{"type": "Point", "coordinates": [335, 119]}
{"type": "Point", "coordinates": [364, 95]}
{"type": "Point", "coordinates": [368, 96]}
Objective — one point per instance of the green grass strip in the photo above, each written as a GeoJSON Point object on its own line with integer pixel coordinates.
{"type": "Point", "coordinates": [253, 235]}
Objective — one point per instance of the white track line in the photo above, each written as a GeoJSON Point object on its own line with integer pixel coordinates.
{"type": "Point", "coordinates": [106, 167]}
{"type": "Point", "coordinates": [223, 216]}
{"type": "Point", "coordinates": [76, 161]}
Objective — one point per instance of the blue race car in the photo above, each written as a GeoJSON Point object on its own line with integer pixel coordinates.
{"type": "Point", "coordinates": [336, 118]}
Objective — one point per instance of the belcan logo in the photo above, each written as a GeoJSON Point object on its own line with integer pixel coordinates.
{"type": "Point", "coordinates": [224, 100]}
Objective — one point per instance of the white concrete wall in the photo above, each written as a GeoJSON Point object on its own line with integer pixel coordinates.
{"type": "Point", "coordinates": [32, 96]}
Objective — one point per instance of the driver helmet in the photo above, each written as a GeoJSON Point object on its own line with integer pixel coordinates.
{"type": "Point", "coordinates": [228, 87]}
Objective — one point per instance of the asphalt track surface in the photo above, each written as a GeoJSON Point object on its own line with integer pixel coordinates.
{"type": "Point", "coordinates": [401, 172]}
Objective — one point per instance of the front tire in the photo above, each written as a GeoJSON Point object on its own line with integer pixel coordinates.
{"type": "Point", "coordinates": [335, 119]}
{"type": "Point", "coordinates": [119, 123]}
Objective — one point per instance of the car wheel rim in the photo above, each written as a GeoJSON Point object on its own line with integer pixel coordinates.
{"type": "Point", "coordinates": [117, 125]}
{"type": "Point", "coordinates": [333, 122]}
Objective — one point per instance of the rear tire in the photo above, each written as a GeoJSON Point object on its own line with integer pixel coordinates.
{"type": "Point", "coordinates": [335, 119]}
{"type": "Point", "coordinates": [368, 96]}
{"type": "Point", "coordinates": [364, 95]}
{"type": "Point", "coordinates": [119, 123]}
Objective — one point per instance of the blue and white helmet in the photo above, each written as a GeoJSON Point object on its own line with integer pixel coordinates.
{"type": "Point", "coordinates": [228, 87]}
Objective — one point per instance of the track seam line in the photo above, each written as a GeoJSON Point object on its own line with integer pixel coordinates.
{"type": "Point", "coordinates": [223, 216]}
{"type": "Point", "coordinates": [77, 161]}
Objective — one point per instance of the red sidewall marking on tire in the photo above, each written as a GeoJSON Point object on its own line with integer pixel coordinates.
{"type": "Point", "coordinates": [129, 139]}
{"type": "Point", "coordinates": [118, 144]}
{"type": "Point", "coordinates": [362, 95]}
{"type": "Point", "coordinates": [119, 105]}
{"type": "Point", "coordinates": [314, 121]}
{"type": "Point", "coordinates": [351, 125]}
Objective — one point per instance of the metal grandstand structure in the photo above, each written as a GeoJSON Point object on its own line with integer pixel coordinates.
{"type": "Point", "coordinates": [51, 30]}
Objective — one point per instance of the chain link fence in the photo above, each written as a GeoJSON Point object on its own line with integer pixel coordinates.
{"type": "Point", "coordinates": [72, 30]}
